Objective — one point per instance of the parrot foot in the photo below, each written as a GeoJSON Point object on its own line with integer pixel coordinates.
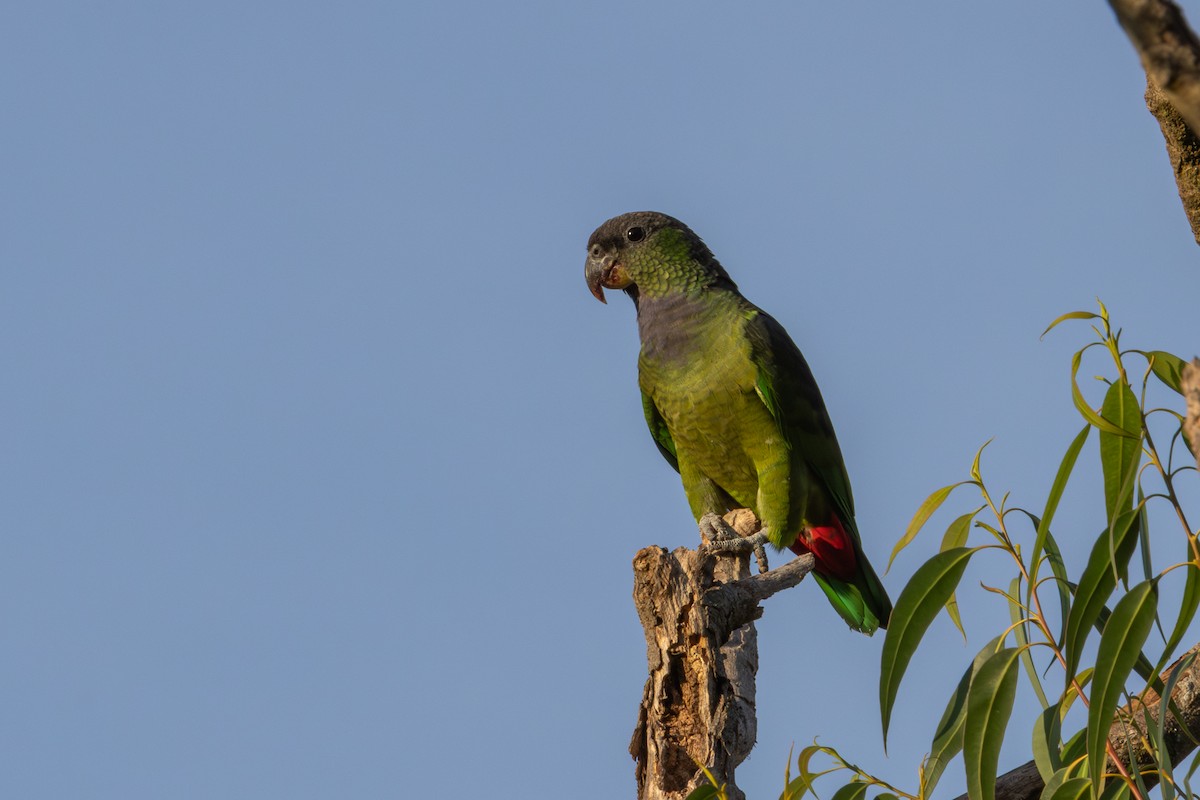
{"type": "Point", "coordinates": [719, 537]}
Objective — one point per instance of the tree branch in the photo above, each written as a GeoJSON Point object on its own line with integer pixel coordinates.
{"type": "Point", "coordinates": [1190, 383]}
{"type": "Point", "coordinates": [697, 708]}
{"type": "Point", "coordinates": [1128, 734]}
{"type": "Point", "coordinates": [1170, 55]}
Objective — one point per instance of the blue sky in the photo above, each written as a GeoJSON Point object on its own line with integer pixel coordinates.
{"type": "Point", "coordinates": [324, 472]}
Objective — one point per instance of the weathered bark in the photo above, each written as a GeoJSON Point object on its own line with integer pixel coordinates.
{"type": "Point", "coordinates": [1128, 734]}
{"type": "Point", "coordinates": [697, 708]}
{"type": "Point", "coordinates": [1183, 150]}
{"type": "Point", "coordinates": [1170, 55]}
{"type": "Point", "coordinates": [1191, 391]}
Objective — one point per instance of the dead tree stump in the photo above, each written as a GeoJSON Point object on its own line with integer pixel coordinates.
{"type": "Point", "coordinates": [697, 710]}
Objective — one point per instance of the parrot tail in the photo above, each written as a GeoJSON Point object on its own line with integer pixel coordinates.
{"type": "Point", "coordinates": [831, 547]}
{"type": "Point", "coordinates": [845, 576]}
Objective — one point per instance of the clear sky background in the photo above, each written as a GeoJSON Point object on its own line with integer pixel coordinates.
{"type": "Point", "coordinates": [323, 472]}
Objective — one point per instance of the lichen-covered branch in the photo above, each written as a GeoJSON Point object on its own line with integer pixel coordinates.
{"type": "Point", "coordinates": [697, 707]}
{"type": "Point", "coordinates": [1170, 55]}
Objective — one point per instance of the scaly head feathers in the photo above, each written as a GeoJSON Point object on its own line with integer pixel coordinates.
{"type": "Point", "coordinates": [651, 254]}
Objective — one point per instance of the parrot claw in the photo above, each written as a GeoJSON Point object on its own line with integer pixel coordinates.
{"type": "Point", "coordinates": [719, 537]}
{"type": "Point", "coordinates": [760, 553]}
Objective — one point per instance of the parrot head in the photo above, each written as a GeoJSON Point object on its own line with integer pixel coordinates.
{"type": "Point", "coordinates": [649, 252]}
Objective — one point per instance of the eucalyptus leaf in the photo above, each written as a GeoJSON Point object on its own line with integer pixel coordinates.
{"type": "Point", "coordinates": [923, 597]}
{"type": "Point", "coordinates": [924, 512]}
{"type": "Point", "coordinates": [705, 791]}
{"type": "Point", "coordinates": [1062, 586]}
{"type": "Point", "coordinates": [1070, 789]}
{"type": "Point", "coordinates": [956, 536]}
{"type": "Point", "coordinates": [1120, 453]}
{"type": "Point", "coordinates": [1065, 468]}
{"type": "Point", "coordinates": [1120, 646]}
{"type": "Point", "coordinates": [1187, 609]}
{"type": "Point", "coordinates": [989, 705]}
{"type": "Point", "coordinates": [1082, 406]}
{"type": "Point", "coordinates": [1167, 368]}
{"type": "Point", "coordinates": [1096, 585]}
{"type": "Point", "coordinates": [1067, 316]}
{"type": "Point", "coordinates": [1047, 739]}
{"type": "Point", "coordinates": [948, 738]}
{"type": "Point", "coordinates": [851, 791]}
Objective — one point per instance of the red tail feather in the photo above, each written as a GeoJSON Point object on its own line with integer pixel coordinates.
{"type": "Point", "coordinates": [831, 547]}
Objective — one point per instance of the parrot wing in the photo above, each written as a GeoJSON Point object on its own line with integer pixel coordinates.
{"type": "Point", "coordinates": [659, 432]}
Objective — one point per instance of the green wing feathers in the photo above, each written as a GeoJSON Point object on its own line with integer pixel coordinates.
{"type": "Point", "coordinates": [659, 432]}
{"type": "Point", "coordinates": [847, 599]}
{"type": "Point", "coordinates": [787, 387]}
{"type": "Point", "coordinates": [862, 601]}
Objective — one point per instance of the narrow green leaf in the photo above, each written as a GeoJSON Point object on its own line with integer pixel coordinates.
{"type": "Point", "coordinates": [1167, 368]}
{"type": "Point", "coordinates": [1047, 739]}
{"type": "Point", "coordinates": [1021, 630]}
{"type": "Point", "coordinates": [1162, 755]}
{"type": "Point", "coordinates": [1082, 406]}
{"type": "Point", "coordinates": [1162, 758]}
{"type": "Point", "coordinates": [705, 791]}
{"type": "Point", "coordinates": [794, 789]}
{"type": "Point", "coordinates": [1187, 778]}
{"type": "Point", "coordinates": [1075, 748]}
{"type": "Point", "coordinates": [1111, 788]}
{"type": "Point", "coordinates": [1096, 584]}
{"type": "Point", "coordinates": [803, 761]}
{"type": "Point", "coordinates": [1142, 665]}
{"type": "Point", "coordinates": [948, 738]}
{"type": "Point", "coordinates": [1071, 789]}
{"type": "Point", "coordinates": [956, 536]}
{"type": "Point", "coordinates": [1169, 688]}
{"type": "Point", "coordinates": [1120, 646]}
{"type": "Point", "coordinates": [1119, 790]}
{"type": "Point", "coordinates": [924, 512]}
{"type": "Point", "coordinates": [924, 595]}
{"type": "Point", "coordinates": [1063, 586]}
{"type": "Point", "coordinates": [1067, 316]}
{"type": "Point", "coordinates": [955, 616]}
{"type": "Point", "coordinates": [1120, 453]}
{"type": "Point", "coordinates": [800, 785]}
{"type": "Point", "coordinates": [1056, 491]}
{"type": "Point", "coordinates": [975, 473]}
{"type": "Point", "coordinates": [999, 537]}
{"type": "Point", "coordinates": [1144, 541]}
{"type": "Point", "coordinates": [989, 704]}
{"type": "Point", "coordinates": [855, 790]}
{"type": "Point", "coordinates": [1187, 610]}
{"type": "Point", "coordinates": [1054, 781]}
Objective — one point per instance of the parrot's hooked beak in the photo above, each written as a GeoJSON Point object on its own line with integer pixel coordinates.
{"type": "Point", "coordinates": [594, 273]}
{"type": "Point", "coordinates": [605, 272]}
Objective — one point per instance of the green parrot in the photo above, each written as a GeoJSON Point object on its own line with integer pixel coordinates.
{"type": "Point", "coordinates": [733, 406]}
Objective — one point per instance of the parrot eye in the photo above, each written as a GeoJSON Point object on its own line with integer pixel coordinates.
{"type": "Point", "coordinates": [596, 249]}
{"type": "Point", "coordinates": [636, 233]}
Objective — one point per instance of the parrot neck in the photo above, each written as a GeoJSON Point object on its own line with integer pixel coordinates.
{"type": "Point", "coordinates": [675, 325]}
